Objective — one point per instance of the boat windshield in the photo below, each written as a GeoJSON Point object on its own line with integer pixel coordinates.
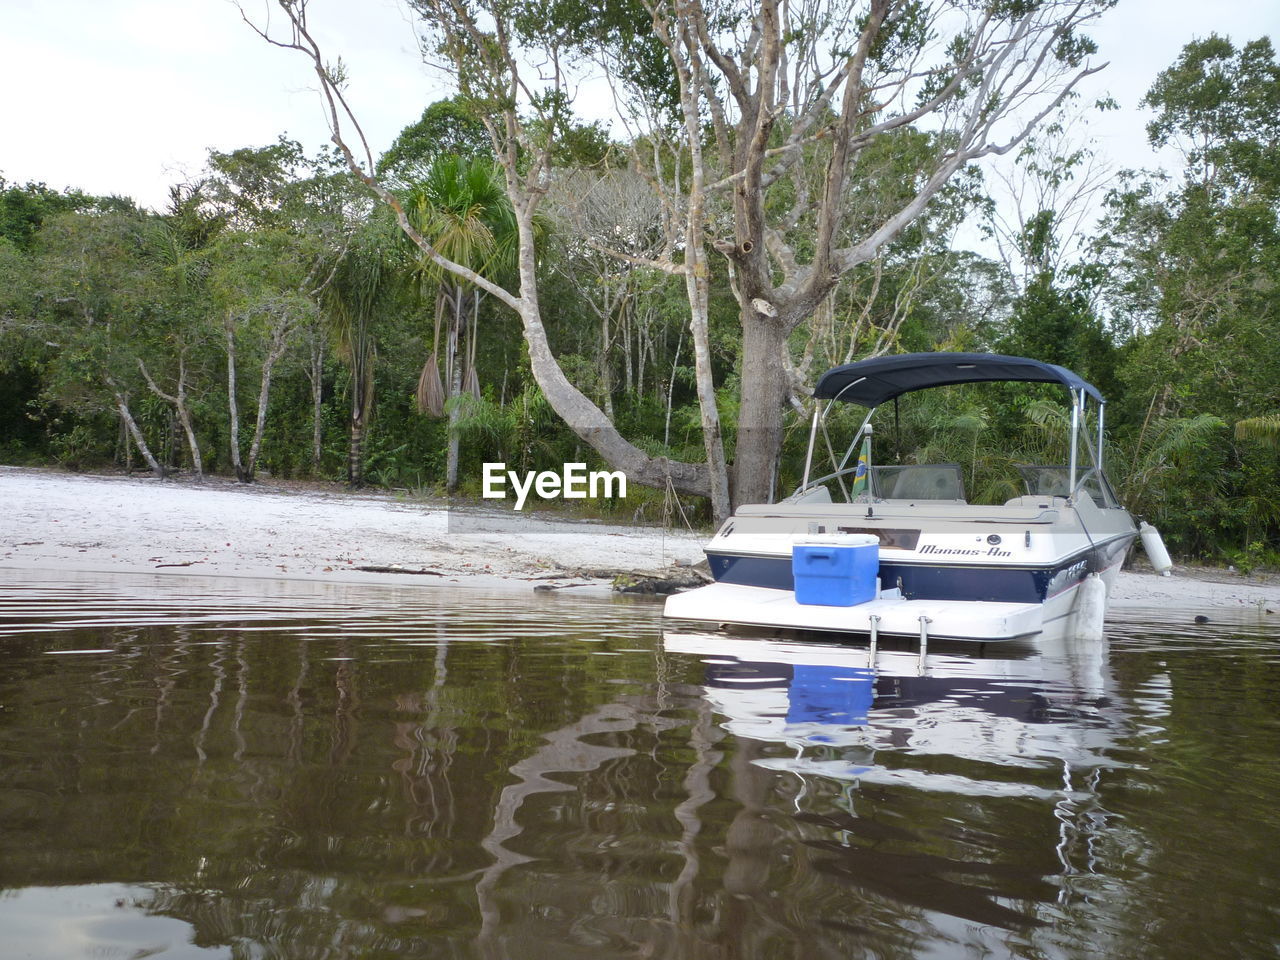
{"type": "Point", "coordinates": [929, 481]}
{"type": "Point", "coordinates": [1053, 481]}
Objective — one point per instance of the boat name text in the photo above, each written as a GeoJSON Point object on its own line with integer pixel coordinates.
{"type": "Point", "coordinates": [964, 551]}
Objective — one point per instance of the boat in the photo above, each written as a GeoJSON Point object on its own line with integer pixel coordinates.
{"type": "Point", "coordinates": [1034, 700]}
{"type": "Point", "coordinates": [1040, 563]}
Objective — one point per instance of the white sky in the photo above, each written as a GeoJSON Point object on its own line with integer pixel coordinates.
{"type": "Point", "coordinates": [127, 96]}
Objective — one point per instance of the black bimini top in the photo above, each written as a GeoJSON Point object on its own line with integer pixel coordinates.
{"type": "Point", "coordinates": [872, 382]}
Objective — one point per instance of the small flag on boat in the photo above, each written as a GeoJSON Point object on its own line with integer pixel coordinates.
{"type": "Point", "coordinates": [860, 477]}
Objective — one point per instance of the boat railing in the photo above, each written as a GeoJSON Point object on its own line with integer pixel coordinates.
{"type": "Point", "coordinates": [837, 475]}
{"type": "Point", "coordinates": [1079, 474]}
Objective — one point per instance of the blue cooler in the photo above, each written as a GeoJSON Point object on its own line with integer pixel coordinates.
{"type": "Point", "coordinates": [836, 571]}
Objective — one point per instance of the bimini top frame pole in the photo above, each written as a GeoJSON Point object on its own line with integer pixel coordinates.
{"type": "Point", "coordinates": [1077, 403]}
{"type": "Point", "coordinates": [1102, 413]}
{"type": "Point", "coordinates": [1092, 446]}
{"type": "Point", "coordinates": [819, 420]}
{"type": "Point", "coordinates": [808, 457]}
{"type": "Point", "coordinates": [871, 383]}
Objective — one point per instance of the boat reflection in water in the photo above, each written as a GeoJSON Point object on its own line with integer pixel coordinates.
{"type": "Point", "coordinates": [1038, 705]}
{"type": "Point", "coordinates": [964, 789]}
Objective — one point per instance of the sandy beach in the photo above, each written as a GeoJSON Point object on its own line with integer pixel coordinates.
{"type": "Point", "coordinates": [59, 521]}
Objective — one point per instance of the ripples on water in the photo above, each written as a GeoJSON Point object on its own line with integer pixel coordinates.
{"type": "Point", "coordinates": [230, 768]}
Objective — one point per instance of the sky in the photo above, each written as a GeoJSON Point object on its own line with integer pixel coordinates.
{"type": "Point", "coordinates": [128, 96]}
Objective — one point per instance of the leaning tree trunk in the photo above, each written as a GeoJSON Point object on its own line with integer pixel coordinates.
{"type": "Point", "coordinates": [573, 407]}
{"type": "Point", "coordinates": [139, 440]}
{"type": "Point", "coordinates": [279, 343]}
{"type": "Point", "coordinates": [260, 424]}
{"type": "Point", "coordinates": [184, 418]}
{"type": "Point", "coordinates": [179, 401]}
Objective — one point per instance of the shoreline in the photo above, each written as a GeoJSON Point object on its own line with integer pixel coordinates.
{"type": "Point", "coordinates": [104, 523]}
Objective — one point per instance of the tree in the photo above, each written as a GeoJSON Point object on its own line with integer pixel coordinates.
{"type": "Point", "coordinates": [288, 225]}
{"type": "Point", "coordinates": [1221, 107]}
{"type": "Point", "coordinates": [600, 211]}
{"type": "Point", "coordinates": [790, 124]}
{"type": "Point", "coordinates": [446, 127]}
{"type": "Point", "coordinates": [24, 209]}
{"type": "Point", "coordinates": [363, 277]}
{"type": "Point", "coordinates": [98, 288]}
{"type": "Point", "coordinates": [1190, 261]}
{"type": "Point", "coordinates": [525, 163]}
{"type": "Point", "coordinates": [772, 97]}
{"type": "Point", "coordinates": [1194, 262]}
{"type": "Point", "coordinates": [461, 207]}
{"type": "Point", "coordinates": [1038, 221]}
{"type": "Point", "coordinates": [257, 285]}
{"type": "Point", "coordinates": [177, 249]}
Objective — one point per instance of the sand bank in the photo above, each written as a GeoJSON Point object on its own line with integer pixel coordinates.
{"type": "Point", "coordinates": [58, 521]}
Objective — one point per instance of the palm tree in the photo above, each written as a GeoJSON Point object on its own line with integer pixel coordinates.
{"type": "Point", "coordinates": [462, 207]}
{"type": "Point", "coordinates": [360, 277]}
{"type": "Point", "coordinates": [1265, 429]}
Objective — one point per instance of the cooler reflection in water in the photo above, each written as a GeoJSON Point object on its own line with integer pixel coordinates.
{"type": "Point", "coordinates": [1038, 714]}
{"type": "Point", "coordinates": [188, 771]}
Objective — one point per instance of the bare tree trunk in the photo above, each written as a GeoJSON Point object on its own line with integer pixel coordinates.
{"type": "Point", "coordinates": [764, 391]}
{"type": "Point", "coordinates": [671, 389]}
{"type": "Point", "coordinates": [232, 405]}
{"type": "Point", "coordinates": [179, 401]}
{"type": "Point", "coordinates": [132, 426]}
{"type": "Point", "coordinates": [624, 333]}
{"type": "Point", "coordinates": [606, 374]}
{"type": "Point", "coordinates": [184, 417]}
{"type": "Point", "coordinates": [685, 55]}
{"type": "Point", "coordinates": [315, 373]}
{"type": "Point", "coordinates": [264, 397]}
{"type": "Point", "coordinates": [453, 365]}
{"type": "Point", "coordinates": [279, 343]}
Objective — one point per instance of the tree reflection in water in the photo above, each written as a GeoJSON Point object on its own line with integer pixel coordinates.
{"type": "Point", "coordinates": [437, 774]}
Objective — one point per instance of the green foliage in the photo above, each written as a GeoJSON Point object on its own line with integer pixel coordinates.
{"type": "Point", "coordinates": [446, 128]}
{"type": "Point", "coordinates": [1222, 106]}
{"type": "Point", "coordinates": [24, 209]}
{"type": "Point", "coordinates": [78, 448]}
{"type": "Point", "coordinates": [1265, 429]}
{"type": "Point", "coordinates": [461, 207]}
{"type": "Point", "coordinates": [1258, 555]}
{"type": "Point", "coordinates": [1056, 323]}
{"type": "Point", "coordinates": [1172, 310]}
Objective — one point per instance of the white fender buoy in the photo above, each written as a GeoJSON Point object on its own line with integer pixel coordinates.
{"type": "Point", "coordinates": [1154, 546]}
{"type": "Point", "coordinates": [1091, 609]}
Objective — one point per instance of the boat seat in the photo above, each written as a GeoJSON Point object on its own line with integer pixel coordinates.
{"type": "Point", "coordinates": [1044, 480]}
{"type": "Point", "coordinates": [933, 481]}
{"type": "Point", "coordinates": [1037, 502]}
{"type": "Point", "coordinates": [1052, 481]}
{"type": "Point", "coordinates": [818, 494]}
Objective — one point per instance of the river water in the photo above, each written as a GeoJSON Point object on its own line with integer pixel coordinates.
{"type": "Point", "coordinates": [204, 768]}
